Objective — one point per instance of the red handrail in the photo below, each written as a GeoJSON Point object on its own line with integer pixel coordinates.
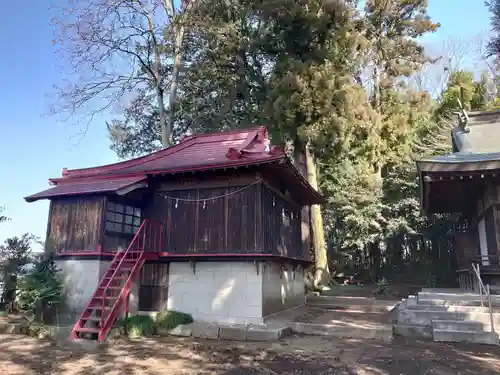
{"type": "Point", "coordinates": [147, 223]}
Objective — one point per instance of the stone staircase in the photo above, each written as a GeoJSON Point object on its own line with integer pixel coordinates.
{"type": "Point", "coordinates": [448, 316]}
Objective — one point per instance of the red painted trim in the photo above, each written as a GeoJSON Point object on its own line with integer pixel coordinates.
{"type": "Point", "coordinates": [246, 162]}
{"type": "Point", "coordinates": [155, 255]}
{"type": "Point", "coordinates": [236, 255]}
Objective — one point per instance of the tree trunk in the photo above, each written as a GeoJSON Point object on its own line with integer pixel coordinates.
{"type": "Point", "coordinates": [167, 130]}
{"type": "Point", "coordinates": [165, 133]}
{"type": "Point", "coordinates": [322, 274]}
{"type": "Point", "coordinates": [172, 97]}
{"type": "Point", "coordinates": [300, 163]}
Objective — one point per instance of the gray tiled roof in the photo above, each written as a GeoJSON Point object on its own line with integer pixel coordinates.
{"type": "Point", "coordinates": [463, 157]}
{"type": "Point", "coordinates": [484, 134]}
{"type": "Point", "coordinates": [479, 144]}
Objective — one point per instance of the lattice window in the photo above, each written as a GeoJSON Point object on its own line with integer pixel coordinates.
{"type": "Point", "coordinates": [122, 218]}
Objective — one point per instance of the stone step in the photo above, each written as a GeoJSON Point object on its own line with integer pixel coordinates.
{"type": "Point", "coordinates": [444, 302]}
{"type": "Point", "coordinates": [425, 317]}
{"type": "Point", "coordinates": [448, 335]}
{"type": "Point", "coordinates": [383, 332]}
{"type": "Point", "coordinates": [346, 300]}
{"type": "Point", "coordinates": [457, 297]}
{"type": "Point", "coordinates": [352, 308]}
{"type": "Point", "coordinates": [452, 308]}
{"type": "Point", "coordinates": [457, 325]}
{"type": "Point", "coordinates": [413, 330]}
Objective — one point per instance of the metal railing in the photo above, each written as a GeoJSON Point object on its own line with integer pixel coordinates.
{"type": "Point", "coordinates": [484, 292]}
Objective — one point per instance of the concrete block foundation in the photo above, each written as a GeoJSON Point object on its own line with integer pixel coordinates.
{"type": "Point", "coordinates": [222, 292]}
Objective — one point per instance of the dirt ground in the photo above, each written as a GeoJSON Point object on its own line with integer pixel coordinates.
{"type": "Point", "coordinates": [295, 355]}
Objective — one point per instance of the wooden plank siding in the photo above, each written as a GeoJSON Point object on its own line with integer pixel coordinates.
{"type": "Point", "coordinates": [487, 209]}
{"type": "Point", "coordinates": [75, 224]}
{"type": "Point", "coordinates": [282, 226]}
{"type": "Point", "coordinates": [223, 215]}
{"type": "Point", "coordinates": [153, 287]}
{"type": "Point", "coordinates": [238, 219]}
{"type": "Point", "coordinates": [208, 220]}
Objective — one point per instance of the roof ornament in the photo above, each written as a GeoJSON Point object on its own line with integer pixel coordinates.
{"type": "Point", "coordinates": [463, 117]}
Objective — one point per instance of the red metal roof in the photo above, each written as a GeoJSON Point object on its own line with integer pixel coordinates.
{"type": "Point", "coordinates": [85, 187]}
{"type": "Point", "coordinates": [194, 153]}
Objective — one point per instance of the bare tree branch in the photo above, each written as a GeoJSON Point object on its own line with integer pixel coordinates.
{"type": "Point", "coordinates": [111, 48]}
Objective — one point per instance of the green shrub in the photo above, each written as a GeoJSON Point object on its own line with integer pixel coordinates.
{"type": "Point", "coordinates": [138, 325]}
{"type": "Point", "coordinates": [167, 320]}
{"type": "Point", "coordinates": [40, 290]}
{"type": "Point", "coordinates": [3, 313]}
{"type": "Point", "coordinates": [382, 287]}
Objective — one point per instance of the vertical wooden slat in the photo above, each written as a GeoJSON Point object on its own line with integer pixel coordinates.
{"type": "Point", "coordinates": [102, 214]}
{"type": "Point", "coordinates": [48, 246]}
{"type": "Point", "coordinates": [75, 224]}
{"type": "Point", "coordinates": [153, 289]}
{"type": "Point", "coordinates": [196, 204]}
{"type": "Point", "coordinates": [258, 234]}
{"type": "Point", "coordinates": [226, 220]}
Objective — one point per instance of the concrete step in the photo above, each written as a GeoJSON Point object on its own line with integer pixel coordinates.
{"type": "Point", "coordinates": [425, 317]}
{"type": "Point", "coordinates": [444, 302]}
{"type": "Point", "coordinates": [351, 304]}
{"type": "Point", "coordinates": [457, 297]}
{"type": "Point", "coordinates": [457, 325]}
{"type": "Point", "coordinates": [452, 308]}
{"type": "Point", "coordinates": [447, 335]}
{"type": "Point", "coordinates": [382, 332]}
{"type": "Point", "coordinates": [346, 300]}
{"type": "Point", "coordinates": [413, 330]}
{"type": "Point", "coordinates": [352, 308]}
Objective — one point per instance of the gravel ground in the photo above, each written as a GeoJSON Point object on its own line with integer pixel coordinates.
{"type": "Point", "coordinates": [295, 355]}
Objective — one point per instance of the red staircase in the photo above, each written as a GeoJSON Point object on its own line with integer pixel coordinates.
{"type": "Point", "coordinates": [113, 290]}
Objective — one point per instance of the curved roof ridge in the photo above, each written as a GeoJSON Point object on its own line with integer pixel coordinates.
{"type": "Point", "coordinates": [246, 135]}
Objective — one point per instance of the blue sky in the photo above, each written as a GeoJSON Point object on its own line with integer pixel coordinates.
{"type": "Point", "coordinates": [34, 147]}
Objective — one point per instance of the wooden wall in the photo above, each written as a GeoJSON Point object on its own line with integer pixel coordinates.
{"type": "Point", "coordinates": [223, 225]}
{"type": "Point", "coordinates": [488, 208]}
{"type": "Point", "coordinates": [216, 215]}
{"type": "Point", "coordinates": [282, 226]}
{"type": "Point", "coordinates": [243, 218]}
{"type": "Point", "coordinates": [74, 224]}
{"type": "Point", "coordinates": [153, 287]}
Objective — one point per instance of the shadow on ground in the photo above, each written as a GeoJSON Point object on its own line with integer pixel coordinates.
{"type": "Point", "coordinates": [295, 355]}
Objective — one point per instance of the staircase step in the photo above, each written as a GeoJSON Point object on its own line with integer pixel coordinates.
{"type": "Point", "coordinates": [452, 308]}
{"type": "Point", "coordinates": [449, 335]}
{"type": "Point", "coordinates": [87, 330]}
{"type": "Point", "coordinates": [458, 325]}
{"type": "Point", "coordinates": [454, 298]}
{"type": "Point", "coordinates": [93, 318]}
{"type": "Point", "coordinates": [122, 269]}
{"type": "Point", "coordinates": [115, 278]}
{"type": "Point", "coordinates": [108, 298]}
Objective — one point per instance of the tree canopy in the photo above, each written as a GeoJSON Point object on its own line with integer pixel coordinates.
{"type": "Point", "coordinates": [331, 81]}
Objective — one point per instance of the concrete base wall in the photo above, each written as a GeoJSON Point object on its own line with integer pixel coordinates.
{"type": "Point", "coordinates": [224, 292]}
{"type": "Point", "coordinates": [234, 292]}
{"type": "Point", "coordinates": [80, 278]}
{"type": "Point", "coordinates": [282, 287]}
